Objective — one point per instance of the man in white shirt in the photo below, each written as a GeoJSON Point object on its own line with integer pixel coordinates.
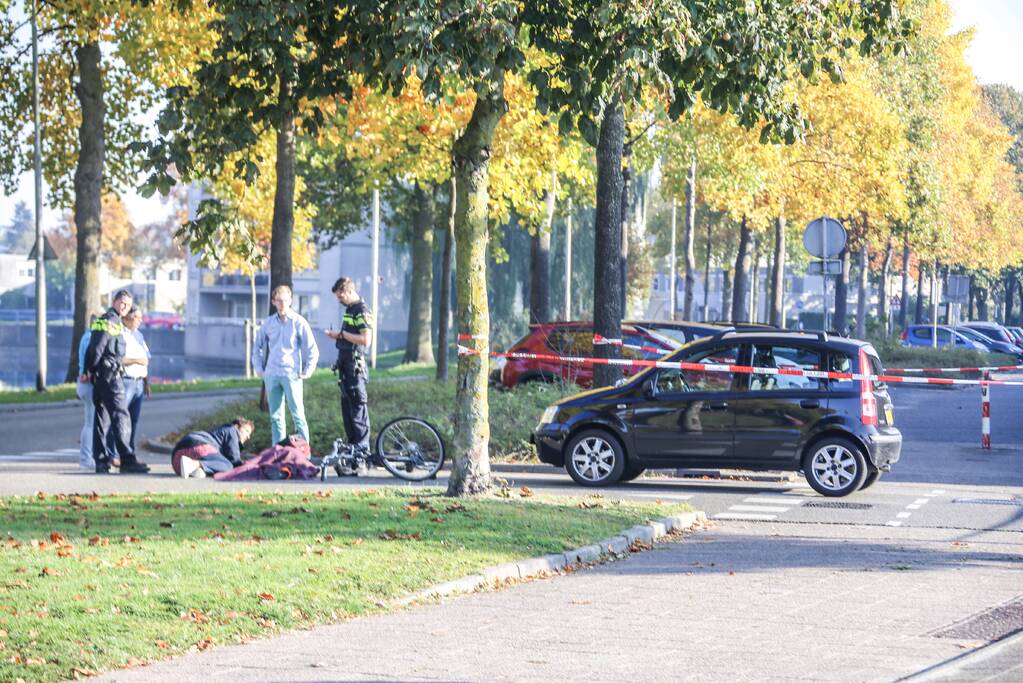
{"type": "Point", "coordinates": [136, 367]}
{"type": "Point", "coordinates": [284, 354]}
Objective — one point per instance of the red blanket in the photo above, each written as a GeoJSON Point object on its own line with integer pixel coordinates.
{"type": "Point", "coordinates": [292, 460]}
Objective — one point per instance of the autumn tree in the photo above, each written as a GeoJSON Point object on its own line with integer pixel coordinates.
{"type": "Point", "coordinates": [92, 106]}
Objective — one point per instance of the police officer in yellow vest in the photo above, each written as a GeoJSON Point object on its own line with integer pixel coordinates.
{"type": "Point", "coordinates": [351, 342]}
{"type": "Point", "coordinates": [104, 366]}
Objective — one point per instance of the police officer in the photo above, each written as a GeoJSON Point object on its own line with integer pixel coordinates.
{"type": "Point", "coordinates": [104, 365]}
{"type": "Point", "coordinates": [351, 342]}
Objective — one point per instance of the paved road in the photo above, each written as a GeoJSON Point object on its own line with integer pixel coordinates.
{"type": "Point", "coordinates": [920, 568]}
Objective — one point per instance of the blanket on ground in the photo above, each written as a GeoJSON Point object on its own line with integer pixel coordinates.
{"type": "Point", "coordinates": [289, 460]}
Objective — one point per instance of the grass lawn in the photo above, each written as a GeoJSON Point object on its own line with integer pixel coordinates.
{"type": "Point", "coordinates": [92, 583]}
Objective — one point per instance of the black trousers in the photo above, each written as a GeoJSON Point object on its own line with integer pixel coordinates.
{"type": "Point", "coordinates": [354, 402]}
{"type": "Point", "coordinates": [112, 423]}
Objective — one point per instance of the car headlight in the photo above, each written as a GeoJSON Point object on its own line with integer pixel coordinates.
{"type": "Point", "coordinates": [549, 415]}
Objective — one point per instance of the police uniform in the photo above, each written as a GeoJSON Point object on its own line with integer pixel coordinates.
{"type": "Point", "coordinates": [104, 363]}
{"type": "Point", "coordinates": [352, 375]}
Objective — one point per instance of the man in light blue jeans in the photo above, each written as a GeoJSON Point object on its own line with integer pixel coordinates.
{"type": "Point", "coordinates": [284, 353]}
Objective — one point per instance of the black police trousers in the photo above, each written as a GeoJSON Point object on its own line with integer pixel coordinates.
{"type": "Point", "coordinates": [111, 414]}
{"type": "Point", "coordinates": [354, 408]}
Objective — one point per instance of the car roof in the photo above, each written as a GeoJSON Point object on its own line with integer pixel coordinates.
{"type": "Point", "coordinates": [980, 323]}
{"type": "Point", "coordinates": [776, 335]}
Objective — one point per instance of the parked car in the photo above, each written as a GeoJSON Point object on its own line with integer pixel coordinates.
{"type": "Point", "coordinates": [923, 335]}
{"type": "Point", "coordinates": [988, 343]}
{"type": "Point", "coordinates": [995, 332]}
{"type": "Point", "coordinates": [163, 319]}
{"type": "Point", "coordinates": [573, 339]}
{"type": "Point", "coordinates": [840, 433]}
{"type": "Point", "coordinates": [1017, 334]}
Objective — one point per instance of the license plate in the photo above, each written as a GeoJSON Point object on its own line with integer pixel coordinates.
{"type": "Point", "coordinates": [889, 415]}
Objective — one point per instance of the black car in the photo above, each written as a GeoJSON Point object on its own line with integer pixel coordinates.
{"type": "Point", "coordinates": [839, 432]}
{"type": "Point", "coordinates": [684, 331]}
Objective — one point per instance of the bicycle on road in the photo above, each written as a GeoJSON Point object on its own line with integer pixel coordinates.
{"type": "Point", "coordinates": [410, 448]}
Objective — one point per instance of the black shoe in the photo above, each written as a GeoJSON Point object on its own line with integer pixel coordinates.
{"type": "Point", "coordinates": [134, 468]}
{"type": "Point", "coordinates": [102, 469]}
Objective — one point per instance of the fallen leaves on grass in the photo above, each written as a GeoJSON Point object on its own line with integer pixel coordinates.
{"type": "Point", "coordinates": [196, 616]}
{"type": "Point", "coordinates": [395, 535]}
{"type": "Point", "coordinates": [162, 644]}
{"type": "Point", "coordinates": [99, 540]}
{"type": "Point", "coordinates": [525, 492]}
{"type": "Point", "coordinates": [80, 672]}
{"type": "Point", "coordinates": [49, 571]}
{"type": "Point", "coordinates": [204, 644]}
{"type": "Point", "coordinates": [266, 597]}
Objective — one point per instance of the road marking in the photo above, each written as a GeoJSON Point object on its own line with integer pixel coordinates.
{"type": "Point", "coordinates": [757, 508]}
{"type": "Point", "coordinates": [660, 496]}
{"type": "Point", "coordinates": [913, 506]}
{"type": "Point", "coordinates": [894, 522]}
{"type": "Point", "coordinates": [768, 498]}
{"type": "Point", "coordinates": [903, 515]}
{"type": "Point", "coordinates": [937, 492]}
{"type": "Point", "coordinates": [921, 501]}
{"type": "Point", "coordinates": [744, 515]}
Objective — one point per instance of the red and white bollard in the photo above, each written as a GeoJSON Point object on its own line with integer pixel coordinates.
{"type": "Point", "coordinates": [985, 413]}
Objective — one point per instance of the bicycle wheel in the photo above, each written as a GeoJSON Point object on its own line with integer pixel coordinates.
{"type": "Point", "coordinates": [410, 448]}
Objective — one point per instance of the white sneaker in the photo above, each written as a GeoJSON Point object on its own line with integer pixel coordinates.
{"type": "Point", "coordinates": [189, 466]}
{"type": "Point", "coordinates": [200, 473]}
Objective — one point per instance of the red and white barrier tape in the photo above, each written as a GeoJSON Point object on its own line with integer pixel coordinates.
{"type": "Point", "coordinates": [746, 369]}
{"type": "Point", "coordinates": [985, 414]}
{"type": "Point", "coordinates": [604, 341]}
{"type": "Point", "coordinates": [983, 368]}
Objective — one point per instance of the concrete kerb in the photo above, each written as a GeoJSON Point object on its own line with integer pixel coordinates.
{"type": "Point", "coordinates": [636, 539]}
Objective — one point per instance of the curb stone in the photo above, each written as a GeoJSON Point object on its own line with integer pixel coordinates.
{"type": "Point", "coordinates": [547, 565]}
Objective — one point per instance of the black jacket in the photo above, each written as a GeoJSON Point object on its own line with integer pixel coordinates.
{"type": "Point", "coordinates": [357, 319]}
{"type": "Point", "coordinates": [224, 438]}
{"type": "Point", "coordinates": [105, 353]}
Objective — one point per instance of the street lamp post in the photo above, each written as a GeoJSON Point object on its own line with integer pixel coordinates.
{"type": "Point", "coordinates": [40, 244]}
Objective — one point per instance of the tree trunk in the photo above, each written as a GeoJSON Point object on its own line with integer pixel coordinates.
{"type": "Point", "coordinates": [754, 290]}
{"type": "Point", "coordinates": [842, 294]}
{"type": "Point", "coordinates": [778, 274]}
{"type": "Point", "coordinates": [470, 470]}
{"type": "Point", "coordinates": [884, 309]}
{"type": "Point", "coordinates": [1010, 290]}
{"type": "Point", "coordinates": [444, 309]}
{"type": "Point", "coordinates": [904, 309]}
{"type": "Point", "coordinates": [284, 196]}
{"type": "Point", "coordinates": [688, 240]}
{"type": "Point", "coordinates": [982, 297]}
{"type": "Point", "coordinates": [607, 262]}
{"type": "Point", "coordinates": [623, 269]}
{"type": "Point", "coordinates": [540, 266]}
{"type": "Point", "coordinates": [918, 314]}
{"type": "Point", "coordinates": [88, 195]}
{"type": "Point", "coordinates": [861, 295]}
{"type": "Point", "coordinates": [418, 344]}
{"type": "Point", "coordinates": [743, 262]}
{"type": "Point", "coordinates": [726, 294]}
{"type": "Point", "coordinates": [706, 276]}
{"type": "Point", "coordinates": [972, 301]}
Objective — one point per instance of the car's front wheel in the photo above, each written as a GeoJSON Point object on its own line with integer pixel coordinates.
{"type": "Point", "coordinates": [834, 467]}
{"type": "Point", "coordinates": [594, 458]}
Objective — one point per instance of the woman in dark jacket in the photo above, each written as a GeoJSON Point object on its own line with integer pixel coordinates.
{"type": "Point", "coordinates": [197, 454]}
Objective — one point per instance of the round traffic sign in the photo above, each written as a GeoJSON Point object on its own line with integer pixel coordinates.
{"type": "Point", "coordinates": [824, 237]}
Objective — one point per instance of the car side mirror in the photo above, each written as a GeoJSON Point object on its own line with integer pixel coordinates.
{"type": "Point", "coordinates": [649, 388]}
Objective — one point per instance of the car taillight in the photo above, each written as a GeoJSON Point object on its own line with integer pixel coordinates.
{"type": "Point", "coordinates": [868, 402]}
{"type": "Point", "coordinates": [904, 336]}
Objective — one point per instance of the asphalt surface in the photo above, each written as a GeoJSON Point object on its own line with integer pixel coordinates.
{"type": "Point", "coordinates": [904, 577]}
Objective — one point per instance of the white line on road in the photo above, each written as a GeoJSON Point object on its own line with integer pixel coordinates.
{"type": "Point", "coordinates": [744, 515]}
{"type": "Point", "coordinates": [903, 515]}
{"type": "Point", "coordinates": [757, 508]}
{"type": "Point", "coordinates": [913, 507]}
{"type": "Point", "coordinates": [894, 522]}
{"type": "Point", "coordinates": [920, 501]}
{"type": "Point", "coordinates": [937, 492]}
{"type": "Point", "coordinates": [767, 498]}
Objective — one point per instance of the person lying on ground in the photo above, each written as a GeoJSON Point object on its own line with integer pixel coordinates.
{"type": "Point", "coordinates": [198, 454]}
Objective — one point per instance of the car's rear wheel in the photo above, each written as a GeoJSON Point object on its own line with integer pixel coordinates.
{"type": "Point", "coordinates": [834, 466]}
{"type": "Point", "coordinates": [631, 472]}
{"type": "Point", "coordinates": [872, 476]}
{"type": "Point", "coordinates": [594, 458]}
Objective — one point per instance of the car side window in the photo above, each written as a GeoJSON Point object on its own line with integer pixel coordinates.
{"type": "Point", "coordinates": [840, 362]}
{"type": "Point", "coordinates": [571, 342]}
{"type": "Point", "coordinates": [699, 380]}
{"type": "Point", "coordinates": [784, 358]}
{"type": "Point", "coordinates": [922, 333]}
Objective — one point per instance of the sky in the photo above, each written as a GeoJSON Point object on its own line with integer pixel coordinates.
{"type": "Point", "coordinates": [995, 56]}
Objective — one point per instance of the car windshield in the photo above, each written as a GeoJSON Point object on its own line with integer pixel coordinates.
{"type": "Point", "coordinates": [664, 340]}
{"type": "Point", "coordinates": [972, 335]}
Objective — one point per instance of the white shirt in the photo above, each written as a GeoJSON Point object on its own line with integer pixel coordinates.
{"type": "Point", "coordinates": [135, 347]}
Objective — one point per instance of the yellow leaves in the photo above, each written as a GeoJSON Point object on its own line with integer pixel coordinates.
{"type": "Point", "coordinates": [525, 492]}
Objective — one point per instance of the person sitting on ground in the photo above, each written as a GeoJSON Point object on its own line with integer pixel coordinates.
{"type": "Point", "coordinates": [198, 454]}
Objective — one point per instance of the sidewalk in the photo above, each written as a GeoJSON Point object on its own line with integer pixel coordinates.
{"type": "Point", "coordinates": [735, 603]}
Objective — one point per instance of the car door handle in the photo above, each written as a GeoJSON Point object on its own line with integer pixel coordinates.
{"type": "Point", "coordinates": [809, 403]}
{"type": "Point", "coordinates": [716, 405]}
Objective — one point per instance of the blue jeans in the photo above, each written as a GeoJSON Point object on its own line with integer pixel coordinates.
{"type": "Point", "coordinates": [215, 463]}
{"type": "Point", "coordinates": [84, 391]}
{"type": "Point", "coordinates": [278, 390]}
{"type": "Point", "coordinates": [134, 393]}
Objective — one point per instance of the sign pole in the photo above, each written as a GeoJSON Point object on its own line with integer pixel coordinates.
{"type": "Point", "coordinates": [375, 275]}
{"type": "Point", "coordinates": [824, 276]}
{"type": "Point", "coordinates": [672, 269]}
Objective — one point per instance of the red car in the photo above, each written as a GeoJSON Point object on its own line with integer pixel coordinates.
{"type": "Point", "coordinates": [162, 319]}
{"type": "Point", "coordinates": [574, 339]}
